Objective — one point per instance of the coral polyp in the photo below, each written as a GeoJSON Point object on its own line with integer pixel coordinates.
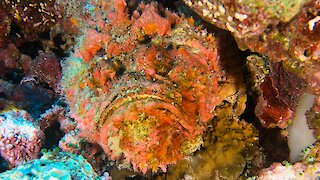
{"type": "Point", "coordinates": [145, 91]}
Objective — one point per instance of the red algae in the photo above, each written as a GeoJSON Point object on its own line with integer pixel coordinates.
{"type": "Point", "coordinates": [49, 63]}
{"type": "Point", "coordinates": [142, 88]}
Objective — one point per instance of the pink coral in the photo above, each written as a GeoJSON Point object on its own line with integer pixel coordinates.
{"type": "Point", "coordinates": [287, 172]}
{"type": "Point", "coordinates": [20, 138]}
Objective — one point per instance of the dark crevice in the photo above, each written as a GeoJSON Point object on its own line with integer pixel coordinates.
{"type": "Point", "coordinates": [45, 35]}
{"type": "Point", "coordinates": [53, 136]}
{"type": "Point", "coordinates": [31, 48]}
{"type": "Point", "coordinates": [58, 41]}
{"type": "Point", "coordinates": [15, 30]}
{"type": "Point", "coordinates": [3, 165]}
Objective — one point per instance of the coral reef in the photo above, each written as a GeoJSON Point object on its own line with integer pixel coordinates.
{"type": "Point", "coordinates": [93, 153]}
{"type": "Point", "coordinates": [149, 90]}
{"type": "Point", "coordinates": [53, 165]}
{"type": "Point", "coordinates": [71, 142]}
{"type": "Point", "coordinates": [20, 137]}
{"type": "Point", "coordinates": [282, 30]}
{"type": "Point", "coordinates": [9, 55]}
{"type": "Point", "coordinates": [33, 98]}
{"type": "Point", "coordinates": [307, 168]}
{"type": "Point", "coordinates": [246, 18]}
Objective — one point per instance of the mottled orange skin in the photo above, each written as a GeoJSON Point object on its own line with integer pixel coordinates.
{"type": "Point", "coordinates": [138, 92]}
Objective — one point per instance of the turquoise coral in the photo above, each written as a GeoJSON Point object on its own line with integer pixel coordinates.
{"type": "Point", "coordinates": [53, 165]}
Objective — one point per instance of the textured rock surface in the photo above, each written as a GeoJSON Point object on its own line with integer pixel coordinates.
{"type": "Point", "coordinates": [282, 30]}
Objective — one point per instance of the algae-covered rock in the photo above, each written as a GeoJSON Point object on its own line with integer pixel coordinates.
{"type": "Point", "coordinates": [286, 31]}
{"type": "Point", "coordinates": [230, 146]}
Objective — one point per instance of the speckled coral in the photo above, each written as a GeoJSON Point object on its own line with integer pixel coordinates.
{"type": "Point", "coordinates": [288, 171]}
{"type": "Point", "coordinates": [143, 88]}
{"type": "Point", "coordinates": [20, 138]}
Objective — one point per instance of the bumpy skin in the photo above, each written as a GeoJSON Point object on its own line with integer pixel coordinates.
{"type": "Point", "coordinates": [53, 165]}
{"type": "Point", "coordinates": [20, 138]}
{"type": "Point", "coordinates": [285, 31]}
{"type": "Point", "coordinates": [143, 88]}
